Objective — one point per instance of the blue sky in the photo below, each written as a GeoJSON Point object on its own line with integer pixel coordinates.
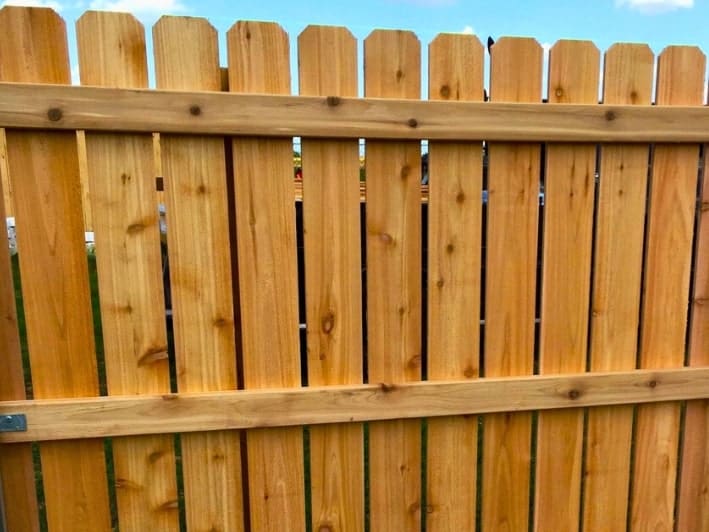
{"type": "Point", "coordinates": [656, 22]}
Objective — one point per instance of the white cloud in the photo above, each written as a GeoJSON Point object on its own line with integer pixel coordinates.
{"type": "Point", "coordinates": [56, 6]}
{"type": "Point", "coordinates": [468, 30]}
{"type": "Point", "coordinates": [154, 7]}
{"type": "Point", "coordinates": [655, 6]}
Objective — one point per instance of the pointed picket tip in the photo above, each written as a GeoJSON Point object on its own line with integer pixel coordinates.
{"type": "Point", "coordinates": [259, 58]}
{"type": "Point", "coordinates": [406, 36]}
{"type": "Point", "coordinates": [34, 47]}
{"type": "Point", "coordinates": [680, 76]}
{"type": "Point", "coordinates": [186, 52]}
{"type": "Point", "coordinates": [392, 64]}
{"type": "Point", "coordinates": [112, 50]}
{"type": "Point", "coordinates": [574, 72]}
{"type": "Point", "coordinates": [628, 70]}
{"type": "Point", "coordinates": [516, 70]}
{"type": "Point", "coordinates": [315, 31]}
{"type": "Point", "coordinates": [327, 61]}
{"type": "Point", "coordinates": [456, 63]}
{"type": "Point", "coordinates": [528, 44]}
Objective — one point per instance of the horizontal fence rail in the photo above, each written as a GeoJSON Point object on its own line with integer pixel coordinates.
{"type": "Point", "coordinates": [107, 109]}
{"type": "Point", "coordinates": [66, 419]}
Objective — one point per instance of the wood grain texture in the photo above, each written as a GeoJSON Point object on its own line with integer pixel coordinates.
{"type": "Point", "coordinates": [8, 207]}
{"type": "Point", "coordinates": [668, 257]}
{"type": "Point", "coordinates": [207, 411]}
{"type": "Point", "coordinates": [125, 219]}
{"type": "Point", "coordinates": [569, 193]}
{"type": "Point", "coordinates": [194, 169]}
{"type": "Point", "coordinates": [454, 264]}
{"type": "Point", "coordinates": [19, 498]}
{"type": "Point", "coordinates": [266, 241]}
{"type": "Point", "coordinates": [275, 116]}
{"type": "Point", "coordinates": [393, 221]}
{"type": "Point", "coordinates": [513, 192]}
{"type": "Point", "coordinates": [694, 477]}
{"type": "Point", "coordinates": [622, 191]}
{"type": "Point", "coordinates": [45, 180]}
{"type": "Point", "coordinates": [333, 287]}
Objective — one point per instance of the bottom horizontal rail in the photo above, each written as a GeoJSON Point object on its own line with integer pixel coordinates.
{"type": "Point", "coordinates": [61, 419]}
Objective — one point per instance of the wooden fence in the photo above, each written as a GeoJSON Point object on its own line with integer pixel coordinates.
{"type": "Point", "coordinates": [485, 361]}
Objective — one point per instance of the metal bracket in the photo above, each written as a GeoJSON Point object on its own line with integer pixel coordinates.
{"type": "Point", "coordinates": [13, 423]}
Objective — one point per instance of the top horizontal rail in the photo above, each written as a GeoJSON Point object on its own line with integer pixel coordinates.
{"type": "Point", "coordinates": [216, 113]}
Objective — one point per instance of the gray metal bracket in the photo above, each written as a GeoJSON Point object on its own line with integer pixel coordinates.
{"type": "Point", "coordinates": [13, 423]}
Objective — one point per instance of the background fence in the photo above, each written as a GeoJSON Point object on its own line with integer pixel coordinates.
{"type": "Point", "coordinates": [544, 317]}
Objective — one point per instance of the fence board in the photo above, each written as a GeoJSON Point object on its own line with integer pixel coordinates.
{"type": "Point", "coordinates": [194, 169]}
{"type": "Point", "coordinates": [628, 72]}
{"type": "Point", "coordinates": [680, 81]}
{"type": "Point", "coordinates": [8, 207]}
{"type": "Point", "coordinates": [454, 269]}
{"type": "Point", "coordinates": [119, 174]}
{"type": "Point", "coordinates": [333, 287]}
{"type": "Point", "coordinates": [569, 193]}
{"type": "Point", "coordinates": [393, 220]}
{"type": "Point", "coordinates": [513, 192]}
{"type": "Point", "coordinates": [17, 486]}
{"type": "Point", "coordinates": [694, 479]}
{"type": "Point", "coordinates": [45, 179]}
{"type": "Point", "coordinates": [265, 230]}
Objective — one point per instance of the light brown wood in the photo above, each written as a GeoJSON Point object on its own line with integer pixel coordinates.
{"type": "Point", "coordinates": [333, 286]}
{"type": "Point", "coordinates": [194, 170]}
{"type": "Point", "coordinates": [5, 177]}
{"type": "Point", "coordinates": [455, 72]}
{"type": "Point", "coordinates": [84, 179]}
{"type": "Point", "coordinates": [393, 224]}
{"type": "Point", "coordinates": [23, 106]}
{"type": "Point", "coordinates": [265, 230]}
{"type": "Point", "coordinates": [513, 204]}
{"type": "Point", "coordinates": [694, 477]}
{"type": "Point", "coordinates": [119, 174]}
{"type": "Point", "coordinates": [45, 179]}
{"type": "Point", "coordinates": [628, 73]}
{"type": "Point", "coordinates": [19, 498]}
{"type": "Point", "coordinates": [279, 407]}
{"type": "Point", "coordinates": [668, 257]}
{"type": "Point", "coordinates": [569, 193]}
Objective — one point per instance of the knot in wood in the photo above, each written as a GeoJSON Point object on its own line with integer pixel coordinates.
{"type": "Point", "coordinates": [413, 122]}
{"type": "Point", "coordinates": [652, 383]}
{"type": "Point", "coordinates": [574, 394]}
{"type": "Point", "coordinates": [55, 114]}
{"type": "Point", "coordinates": [333, 101]}
{"type": "Point", "coordinates": [445, 91]}
{"type": "Point", "coordinates": [610, 116]}
{"type": "Point", "coordinates": [195, 110]}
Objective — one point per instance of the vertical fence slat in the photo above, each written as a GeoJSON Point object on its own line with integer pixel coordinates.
{"type": "Point", "coordinates": [19, 504]}
{"type": "Point", "coordinates": [393, 219]}
{"type": "Point", "coordinates": [628, 70]}
{"type": "Point", "coordinates": [333, 288]}
{"type": "Point", "coordinates": [119, 174]}
{"type": "Point", "coordinates": [513, 192]}
{"type": "Point", "coordinates": [694, 483]}
{"type": "Point", "coordinates": [672, 202]}
{"type": "Point", "coordinates": [5, 176]}
{"type": "Point", "coordinates": [194, 168]}
{"type": "Point", "coordinates": [266, 241]}
{"type": "Point", "coordinates": [569, 193]}
{"type": "Point", "coordinates": [454, 268]}
{"type": "Point", "coordinates": [45, 178]}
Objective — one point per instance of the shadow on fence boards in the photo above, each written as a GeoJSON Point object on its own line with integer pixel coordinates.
{"type": "Point", "coordinates": [483, 362]}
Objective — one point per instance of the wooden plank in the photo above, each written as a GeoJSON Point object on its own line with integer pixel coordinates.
{"type": "Point", "coordinates": [22, 106]}
{"type": "Point", "coordinates": [569, 194]}
{"type": "Point", "coordinates": [19, 500]}
{"type": "Point", "coordinates": [393, 219]}
{"type": "Point", "coordinates": [454, 265]}
{"type": "Point", "coordinates": [193, 412]}
{"type": "Point", "coordinates": [622, 190]}
{"type": "Point", "coordinates": [194, 169]}
{"type": "Point", "coordinates": [119, 175]}
{"type": "Point", "coordinates": [668, 257]}
{"type": "Point", "coordinates": [265, 230]}
{"type": "Point", "coordinates": [694, 477]}
{"type": "Point", "coordinates": [45, 179]}
{"type": "Point", "coordinates": [5, 177]}
{"type": "Point", "coordinates": [84, 178]}
{"type": "Point", "coordinates": [513, 204]}
{"type": "Point", "coordinates": [333, 287]}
